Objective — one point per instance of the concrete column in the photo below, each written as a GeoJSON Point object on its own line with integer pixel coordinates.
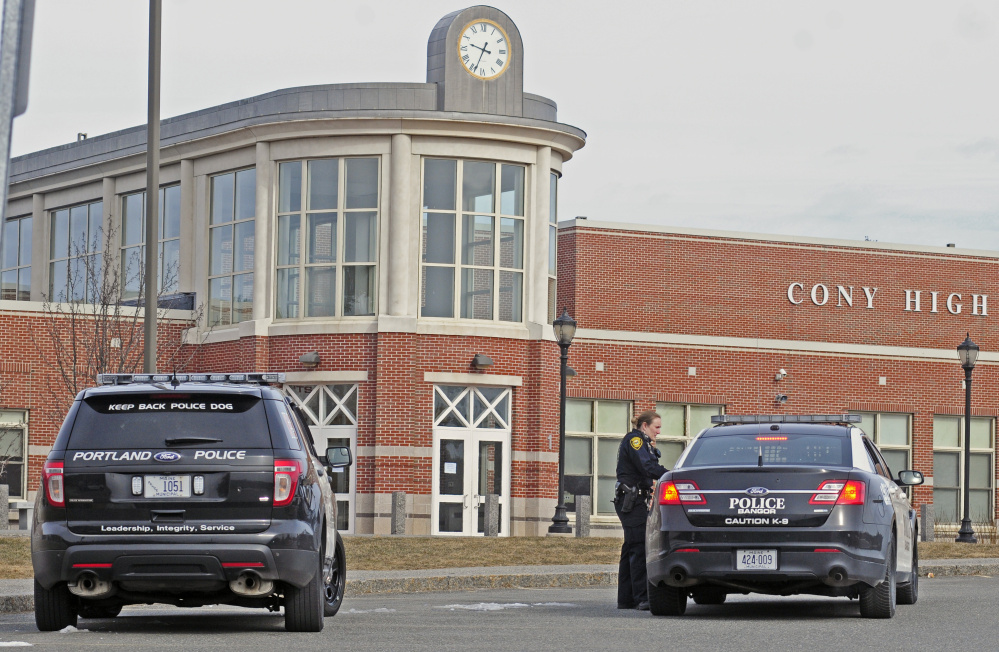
{"type": "Point", "coordinates": [492, 515]}
{"type": "Point", "coordinates": [926, 522]}
{"type": "Point", "coordinates": [262, 267]}
{"type": "Point", "coordinates": [399, 226]}
{"type": "Point", "coordinates": [185, 275]}
{"type": "Point", "coordinates": [584, 505]}
{"type": "Point", "coordinates": [536, 282]}
{"type": "Point", "coordinates": [39, 248]}
{"type": "Point", "coordinates": [398, 512]}
{"type": "Point", "coordinates": [5, 493]}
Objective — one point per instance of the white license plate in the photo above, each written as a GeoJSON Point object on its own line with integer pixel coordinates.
{"type": "Point", "coordinates": [167, 486]}
{"type": "Point", "coordinates": [756, 560]}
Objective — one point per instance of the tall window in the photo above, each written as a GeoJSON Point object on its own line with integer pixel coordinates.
{"type": "Point", "coordinates": [231, 247]}
{"type": "Point", "coordinates": [75, 252]}
{"type": "Point", "coordinates": [948, 468]}
{"type": "Point", "coordinates": [593, 430]}
{"type": "Point", "coordinates": [15, 259]}
{"type": "Point", "coordinates": [327, 238]}
{"type": "Point", "coordinates": [133, 238]}
{"type": "Point", "coordinates": [552, 244]}
{"type": "Point", "coordinates": [473, 240]}
{"type": "Point", "coordinates": [13, 436]}
{"type": "Point", "coordinates": [892, 432]}
{"type": "Point", "coordinates": [681, 423]}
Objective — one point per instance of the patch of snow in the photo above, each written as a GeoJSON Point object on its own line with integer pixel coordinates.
{"type": "Point", "coordinates": [69, 629]}
{"type": "Point", "coordinates": [555, 604]}
{"type": "Point", "coordinates": [380, 610]}
{"type": "Point", "coordinates": [14, 644]}
{"type": "Point", "coordinates": [484, 606]}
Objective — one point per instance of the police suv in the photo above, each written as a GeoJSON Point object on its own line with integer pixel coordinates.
{"type": "Point", "coordinates": [782, 505]}
{"type": "Point", "coordinates": [186, 490]}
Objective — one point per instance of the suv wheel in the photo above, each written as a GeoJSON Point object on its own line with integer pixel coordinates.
{"type": "Point", "coordinates": [334, 584]}
{"type": "Point", "coordinates": [303, 607]}
{"type": "Point", "coordinates": [908, 593]}
{"type": "Point", "coordinates": [879, 601]}
{"type": "Point", "coordinates": [667, 600]}
{"type": "Point", "coordinates": [55, 608]}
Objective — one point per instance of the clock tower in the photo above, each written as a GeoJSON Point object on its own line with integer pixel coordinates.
{"type": "Point", "coordinates": [476, 58]}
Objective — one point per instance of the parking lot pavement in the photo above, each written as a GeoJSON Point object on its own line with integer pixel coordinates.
{"type": "Point", "coordinates": [951, 612]}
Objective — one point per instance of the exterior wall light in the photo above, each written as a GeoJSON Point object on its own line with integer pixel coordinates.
{"type": "Point", "coordinates": [482, 361]}
{"type": "Point", "coordinates": [565, 330]}
{"type": "Point", "coordinates": [310, 360]}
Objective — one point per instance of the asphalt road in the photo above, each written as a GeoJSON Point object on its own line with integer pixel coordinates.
{"type": "Point", "coordinates": [952, 613]}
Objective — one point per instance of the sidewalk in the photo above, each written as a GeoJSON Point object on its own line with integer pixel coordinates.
{"type": "Point", "coordinates": [17, 595]}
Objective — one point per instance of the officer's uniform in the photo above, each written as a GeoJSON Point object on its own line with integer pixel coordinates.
{"type": "Point", "coordinates": [638, 468]}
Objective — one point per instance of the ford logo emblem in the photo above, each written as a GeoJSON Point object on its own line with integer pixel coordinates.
{"type": "Point", "coordinates": [166, 456]}
{"type": "Point", "coordinates": [757, 491]}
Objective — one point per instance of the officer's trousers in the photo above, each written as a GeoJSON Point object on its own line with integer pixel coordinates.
{"type": "Point", "coordinates": [632, 579]}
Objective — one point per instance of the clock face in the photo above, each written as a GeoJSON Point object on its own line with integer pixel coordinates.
{"type": "Point", "coordinates": [483, 49]}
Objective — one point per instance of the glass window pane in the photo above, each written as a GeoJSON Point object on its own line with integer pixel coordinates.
{"type": "Point", "coordinates": [8, 285]}
{"type": "Point", "coordinates": [287, 293]}
{"type": "Point", "coordinates": [132, 264]}
{"type": "Point", "coordinates": [78, 222]}
{"type": "Point", "coordinates": [866, 423]}
{"type": "Point", "coordinates": [511, 243]}
{"type": "Point", "coordinates": [242, 298]}
{"type": "Point", "coordinates": [169, 265]}
{"type": "Point", "coordinates": [477, 240]}
{"type": "Point", "coordinates": [980, 471]}
{"type": "Point", "coordinates": [290, 187]}
{"type": "Point", "coordinates": [25, 253]}
{"type": "Point", "coordinates": [59, 247]}
{"type": "Point", "coordinates": [945, 505]}
{"type": "Point", "coordinates": [131, 219]}
{"type": "Point", "coordinates": [614, 416]}
{"type": "Point", "coordinates": [980, 507]}
{"type": "Point", "coordinates": [607, 455]}
{"type": "Point", "coordinates": [222, 198]}
{"type": "Point", "coordinates": [170, 217]}
{"type": "Point", "coordinates": [945, 432]}
{"type": "Point", "coordinates": [476, 293]}
{"type": "Point", "coordinates": [221, 251]}
{"type": "Point", "coordinates": [246, 194]}
{"type": "Point", "coordinates": [605, 493]}
{"type": "Point", "coordinates": [578, 455]}
{"type": "Point", "coordinates": [362, 183]}
{"type": "Point", "coordinates": [439, 184]}
{"type": "Point", "coordinates": [452, 477]}
{"type": "Point", "coordinates": [898, 460]}
{"type": "Point", "coordinates": [477, 187]}
{"type": "Point", "coordinates": [553, 198]}
{"type": "Point", "coordinates": [700, 417]}
{"type": "Point", "coordinates": [95, 230]}
{"type": "Point", "coordinates": [78, 278]}
{"type": "Point", "coordinates": [438, 238]}
{"type": "Point", "coordinates": [945, 470]}
{"type": "Point", "coordinates": [673, 419]}
{"type": "Point", "coordinates": [358, 290]}
{"type": "Point", "coordinates": [894, 430]}
{"type": "Point", "coordinates": [94, 277]}
{"type": "Point", "coordinates": [981, 433]}
{"type": "Point", "coordinates": [552, 251]}
{"type": "Point", "coordinates": [289, 240]}
{"type": "Point", "coordinates": [437, 292]}
{"type": "Point", "coordinates": [58, 290]}
{"type": "Point", "coordinates": [242, 260]}
{"type": "Point", "coordinates": [322, 238]}
{"type": "Point", "coordinates": [24, 284]}
{"type": "Point", "coordinates": [219, 301]}
{"type": "Point", "coordinates": [359, 237]}
{"type": "Point", "coordinates": [578, 416]}
{"type": "Point", "coordinates": [512, 190]}
{"type": "Point", "coordinates": [323, 180]}
{"type": "Point", "coordinates": [671, 451]}
{"type": "Point", "coordinates": [511, 296]}
{"type": "Point", "coordinates": [320, 291]}
{"type": "Point", "coordinates": [10, 244]}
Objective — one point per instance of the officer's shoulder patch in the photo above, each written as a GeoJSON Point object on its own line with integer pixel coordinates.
{"type": "Point", "coordinates": [636, 442]}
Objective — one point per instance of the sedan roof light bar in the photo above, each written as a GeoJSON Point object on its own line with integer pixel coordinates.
{"type": "Point", "coordinates": [255, 378]}
{"type": "Point", "coordinates": [733, 419]}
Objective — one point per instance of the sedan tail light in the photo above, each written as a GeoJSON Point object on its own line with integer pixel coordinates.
{"type": "Point", "coordinates": [53, 481]}
{"type": "Point", "coordinates": [286, 474]}
{"type": "Point", "coordinates": [683, 492]}
{"type": "Point", "coordinates": [839, 492]}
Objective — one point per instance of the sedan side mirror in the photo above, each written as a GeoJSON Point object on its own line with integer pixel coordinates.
{"type": "Point", "coordinates": [910, 478]}
{"type": "Point", "coordinates": [338, 457]}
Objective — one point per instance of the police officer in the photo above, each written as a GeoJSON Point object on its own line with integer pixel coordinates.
{"type": "Point", "coordinates": [637, 469]}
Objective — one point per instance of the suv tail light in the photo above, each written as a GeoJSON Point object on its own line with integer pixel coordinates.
{"type": "Point", "coordinates": [286, 474]}
{"type": "Point", "coordinates": [677, 493]}
{"type": "Point", "coordinates": [839, 492]}
{"type": "Point", "coordinates": [52, 479]}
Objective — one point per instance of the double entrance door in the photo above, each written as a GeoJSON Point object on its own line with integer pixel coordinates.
{"type": "Point", "coordinates": [470, 464]}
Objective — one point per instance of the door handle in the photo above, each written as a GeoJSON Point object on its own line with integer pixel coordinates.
{"type": "Point", "coordinates": [463, 499]}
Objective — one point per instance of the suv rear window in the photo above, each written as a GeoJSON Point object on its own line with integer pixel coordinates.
{"type": "Point", "coordinates": [126, 421]}
{"type": "Point", "coordinates": [776, 450]}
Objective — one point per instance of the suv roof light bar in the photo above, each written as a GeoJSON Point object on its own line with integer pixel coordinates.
{"type": "Point", "coordinates": [732, 419]}
{"type": "Point", "coordinates": [255, 378]}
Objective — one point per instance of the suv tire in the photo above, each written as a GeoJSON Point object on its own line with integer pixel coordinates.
{"type": "Point", "coordinates": [55, 608]}
{"type": "Point", "coordinates": [908, 593]}
{"type": "Point", "coordinates": [334, 589]}
{"type": "Point", "coordinates": [303, 607]}
{"type": "Point", "coordinates": [667, 600]}
{"type": "Point", "coordinates": [879, 601]}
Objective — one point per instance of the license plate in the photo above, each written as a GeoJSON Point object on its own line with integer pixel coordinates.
{"type": "Point", "coordinates": [167, 486]}
{"type": "Point", "coordinates": [756, 560]}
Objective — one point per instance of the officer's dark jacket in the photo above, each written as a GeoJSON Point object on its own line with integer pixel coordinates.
{"type": "Point", "coordinates": [637, 463]}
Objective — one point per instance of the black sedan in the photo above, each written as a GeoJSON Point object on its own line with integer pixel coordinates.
{"type": "Point", "coordinates": [783, 505]}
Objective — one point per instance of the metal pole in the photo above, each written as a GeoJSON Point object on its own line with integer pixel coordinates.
{"type": "Point", "coordinates": [560, 522]}
{"type": "Point", "coordinates": [966, 534]}
{"type": "Point", "coordinates": [151, 275]}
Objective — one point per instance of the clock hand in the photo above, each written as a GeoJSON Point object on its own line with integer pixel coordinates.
{"type": "Point", "coordinates": [480, 58]}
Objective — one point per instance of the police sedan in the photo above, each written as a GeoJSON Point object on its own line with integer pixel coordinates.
{"type": "Point", "coordinates": [783, 505]}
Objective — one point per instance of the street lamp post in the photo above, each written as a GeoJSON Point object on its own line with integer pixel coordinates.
{"type": "Point", "coordinates": [565, 329]}
{"type": "Point", "coordinates": [967, 351]}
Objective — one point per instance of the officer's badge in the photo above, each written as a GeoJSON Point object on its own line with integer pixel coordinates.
{"type": "Point", "coordinates": [636, 442]}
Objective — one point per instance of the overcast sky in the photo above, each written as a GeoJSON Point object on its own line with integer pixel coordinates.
{"type": "Point", "coordinates": [842, 119]}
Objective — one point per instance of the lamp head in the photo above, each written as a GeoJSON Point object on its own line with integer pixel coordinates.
{"type": "Point", "coordinates": [565, 328]}
{"type": "Point", "coordinates": [967, 351]}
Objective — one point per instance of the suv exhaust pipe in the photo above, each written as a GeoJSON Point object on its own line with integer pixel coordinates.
{"type": "Point", "coordinates": [88, 585]}
{"type": "Point", "coordinates": [251, 585]}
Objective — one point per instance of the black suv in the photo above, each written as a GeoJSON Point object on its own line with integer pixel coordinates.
{"type": "Point", "coordinates": [186, 490]}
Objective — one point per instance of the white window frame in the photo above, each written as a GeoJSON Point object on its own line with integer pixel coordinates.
{"type": "Point", "coordinates": [595, 437]}
{"type": "Point", "coordinates": [687, 436]}
{"type": "Point", "coordinates": [19, 267]}
{"type": "Point", "coordinates": [14, 420]}
{"type": "Point", "coordinates": [246, 313]}
{"type": "Point", "coordinates": [94, 248]}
